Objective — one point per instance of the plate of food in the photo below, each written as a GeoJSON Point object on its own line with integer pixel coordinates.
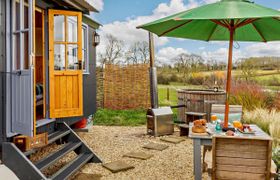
{"type": "Point", "coordinates": [246, 129]}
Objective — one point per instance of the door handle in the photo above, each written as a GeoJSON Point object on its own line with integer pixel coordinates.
{"type": "Point", "coordinates": [79, 64]}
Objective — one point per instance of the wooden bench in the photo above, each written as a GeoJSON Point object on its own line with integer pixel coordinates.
{"type": "Point", "coordinates": [192, 116]}
{"type": "Point", "coordinates": [184, 129]}
{"type": "Point", "coordinates": [240, 159]}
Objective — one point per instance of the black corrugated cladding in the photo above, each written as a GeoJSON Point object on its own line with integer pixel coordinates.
{"type": "Point", "coordinates": [89, 80]}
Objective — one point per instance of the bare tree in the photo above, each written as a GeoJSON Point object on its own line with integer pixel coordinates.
{"type": "Point", "coordinates": [138, 53]}
{"type": "Point", "coordinates": [248, 68]}
{"type": "Point", "coordinates": [196, 62]}
{"type": "Point", "coordinates": [113, 51]}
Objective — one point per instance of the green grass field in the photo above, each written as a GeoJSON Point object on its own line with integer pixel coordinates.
{"type": "Point", "coordinates": [120, 117]}
{"type": "Point", "coordinates": [135, 117]}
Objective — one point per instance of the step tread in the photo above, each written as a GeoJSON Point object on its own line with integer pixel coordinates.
{"type": "Point", "coordinates": [32, 151]}
{"type": "Point", "coordinates": [57, 135]}
{"type": "Point", "coordinates": [52, 158]}
{"type": "Point", "coordinates": [72, 167]}
{"type": "Point", "coordinates": [51, 138]}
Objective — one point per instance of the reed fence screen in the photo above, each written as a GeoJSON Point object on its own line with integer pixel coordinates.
{"type": "Point", "coordinates": [126, 87]}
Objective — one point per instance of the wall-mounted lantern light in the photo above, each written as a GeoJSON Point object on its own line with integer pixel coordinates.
{"type": "Point", "coordinates": [96, 39]}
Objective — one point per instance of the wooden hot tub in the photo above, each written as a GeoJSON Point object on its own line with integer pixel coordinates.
{"type": "Point", "coordinates": [198, 101]}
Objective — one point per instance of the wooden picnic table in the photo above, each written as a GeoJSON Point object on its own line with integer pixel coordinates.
{"type": "Point", "coordinates": [201, 140]}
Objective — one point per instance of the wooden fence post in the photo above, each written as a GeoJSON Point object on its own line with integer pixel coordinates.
{"type": "Point", "coordinates": [167, 94]}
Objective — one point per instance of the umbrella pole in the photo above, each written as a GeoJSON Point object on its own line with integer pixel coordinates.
{"type": "Point", "coordinates": [229, 76]}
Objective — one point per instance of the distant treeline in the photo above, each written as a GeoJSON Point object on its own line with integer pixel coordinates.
{"type": "Point", "coordinates": [197, 63]}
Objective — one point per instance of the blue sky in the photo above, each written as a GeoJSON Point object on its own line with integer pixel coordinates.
{"type": "Point", "coordinates": [120, 17]}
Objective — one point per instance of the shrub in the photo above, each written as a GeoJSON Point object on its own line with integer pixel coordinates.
{"type": "Point", "coordinates": [267, 120]}
{"type": "Point", "coordinates": [249, 95]}
{"type": "Point", "coordinates": [216, 78]}
{"type": "Point", "coordinates": [163, 79]}
{"type": "Point", "coordinates": [276, 101]}
{"type": "Point", "coordinates": [276, 157]}
{"type": "Point", "coordinates": [196, 79]}
{"type": "Point", "coordinates": [174, 78]}
{"type": "Point", "coordinates": [273, 81]}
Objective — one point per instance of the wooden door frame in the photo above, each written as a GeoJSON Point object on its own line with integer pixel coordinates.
{"type": "Point", "coordinates": [75, 111]}
{"type": "Point", "coordinates": [37, 9]}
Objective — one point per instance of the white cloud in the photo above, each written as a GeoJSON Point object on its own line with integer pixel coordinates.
{"type": "Point", "coordinates": [126, 30]}
{"type": "Point", "coordinates": [167, 54]}
{"type": "Point", "coordinates": [98, 4]}
{"type": "Point", "coordinates": [254, 50]}
{"type": "Point", "coordinates": [173, 7]}
{"type": "Point", "coordinates": [221, 54]}
{"type": "Point", "coordinates": [263, 49]}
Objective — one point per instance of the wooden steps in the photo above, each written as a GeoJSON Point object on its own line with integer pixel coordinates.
{"type": "Point", "coordinates": [70, 143]}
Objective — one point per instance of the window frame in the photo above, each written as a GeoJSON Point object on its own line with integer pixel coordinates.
{"type": "Point", "coordinates": [85, 60]}
{"type": "Point", "coordinates": [21, 32]}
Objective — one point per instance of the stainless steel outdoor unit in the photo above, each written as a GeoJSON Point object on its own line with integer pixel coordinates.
{"type": "Point", "coordinates": [160, 121]}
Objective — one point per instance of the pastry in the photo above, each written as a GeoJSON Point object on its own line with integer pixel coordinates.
{"type": "Point", "coordinates": [203, 122]}
{"type": "Point", "coordinates": [199, 129]}
{"type": "Point", "coordinates": [197, 123]}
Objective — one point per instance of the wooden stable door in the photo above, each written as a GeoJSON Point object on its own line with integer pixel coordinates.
{"type": "Point", "coordinates": [65, 57]}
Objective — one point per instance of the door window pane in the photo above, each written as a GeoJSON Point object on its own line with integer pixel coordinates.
{"type": "Point", "coordinates": [16, 51]}
{"type": "Point", "coordinates": [25, 51]}
{"type": "Point", "coordinates": [17, 15]}
{"type": "Point", "coordinates": [59, 32]}
{"type": "Point", "coordinates": [85, 63]}
{"type": "Point", "coordinates": [26, 20]}
{"type": "Point", "coordinates": [73, 57]}
{"type": "Point", "coordinates": [59, 57]}
{"type": "Point", "coordinates": [72, 28]}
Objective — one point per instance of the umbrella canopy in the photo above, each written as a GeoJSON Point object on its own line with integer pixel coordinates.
{"type": "Point", "coordinates": [211, 22]}
{"type": "Point", "coordinates": [226, 20]}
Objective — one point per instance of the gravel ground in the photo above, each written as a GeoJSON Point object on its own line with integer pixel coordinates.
{"type": "Point", "coordinates": [111, 143]}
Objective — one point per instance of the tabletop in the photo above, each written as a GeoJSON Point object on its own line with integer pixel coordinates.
{"type": "Point", "coordinates": [259, 133]}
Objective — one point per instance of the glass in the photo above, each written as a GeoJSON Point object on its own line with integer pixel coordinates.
{"type": "Point", "coordinates": [84, 50]}
{"type": "Point", "coordinates": [17, 16]}
{"type": "Point", "coordinates": [72, 22]}
{"type": "Point", "coordinates": [83, 60]}
{"type": "Point", "coordinates": [16, 51]}
{"type": "Point", "coordinates": [59, 57]}
{"type": "Point", "coordinates": [26, 50]}
{"type": "Point", "coordinates": [214, 118]}
{"type": "Point", "coordinates": [25, 14]}
{"type": "Point", "coordinates": [73, 57]}
{"type": "Point", "coordinates": [59, 32]}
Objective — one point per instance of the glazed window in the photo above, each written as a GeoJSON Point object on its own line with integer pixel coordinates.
{"type": "Point", "coordinates": [85, 61]}
{"type": "Point", "coordinates": [66, 42]}
{"type": "Point", "coordinates": [20, 9]}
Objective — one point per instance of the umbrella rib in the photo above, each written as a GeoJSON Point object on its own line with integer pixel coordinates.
{"type": "Point", "coordinates": [220, 23]}
{"type": "Point", "coordinates": [258, 31]}
{"type": "Point", "coordinates": [172, 29]}
{"type": "Point", "coordinates": [245, 22]}
{"type": "Point", "coordinates": [226, 22]}
{"type": "Point", "coordinates": [277, 19]}
{"type": "Point", "coordinates": [212, 32]}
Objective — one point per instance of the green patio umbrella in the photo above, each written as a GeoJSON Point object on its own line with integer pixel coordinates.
{"type": "Point", "coordinates": [226, 20]}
